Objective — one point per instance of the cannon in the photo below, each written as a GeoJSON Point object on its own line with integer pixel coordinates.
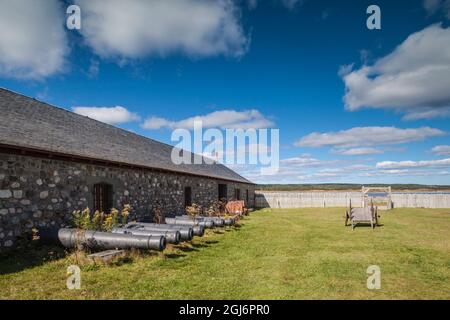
{"type": "Point", "coordinates": [218, 222]}
{"type": "Point", "coordinates": [73, 238]}
{"type": "Point", "coordinates": [187, 232]}
{"type": "Point", "coordinates": [189, 222]}
{"type": "Point", "coordinates": [172, 236]}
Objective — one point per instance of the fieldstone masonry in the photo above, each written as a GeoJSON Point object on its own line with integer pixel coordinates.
{"type": "Point", "coordinates": [36, 192]}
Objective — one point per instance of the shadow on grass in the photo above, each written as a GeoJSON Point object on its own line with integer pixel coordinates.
{"type": "Point", "coordinates": [200, 245]}
{"type": "Point", "coordinates": [175, 255]}
{"type": "Point", "coordinates": [32, 254]}
{"type": "Point", "coordinates": [28, 256]}
{"type": "Point", "coordinates": [365, 226]}
{"type": "Point", "coordinates": [187, 249]}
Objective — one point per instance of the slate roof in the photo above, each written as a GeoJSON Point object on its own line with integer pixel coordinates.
{"type": "Point", "coordinates": [31, 124]}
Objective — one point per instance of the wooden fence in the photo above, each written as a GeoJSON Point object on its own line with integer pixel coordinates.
{"type": "Point", "coordinates": [341, 199]}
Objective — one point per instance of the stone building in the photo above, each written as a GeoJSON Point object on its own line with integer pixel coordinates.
{"type": "Point", "coordinates": [53, 162]}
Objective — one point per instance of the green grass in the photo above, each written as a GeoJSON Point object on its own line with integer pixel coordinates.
{"type": "Point", "coordinates": [276, 254]}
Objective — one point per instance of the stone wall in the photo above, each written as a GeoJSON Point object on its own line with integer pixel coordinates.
{"type": "Point", "coordinates": [37, 192]}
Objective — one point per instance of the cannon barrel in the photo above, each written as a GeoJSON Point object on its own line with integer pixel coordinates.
{"type": "Point", "coordinates": [172, 236]}
{"type": "Point", "coordinates": [72, 238]}
{"type": "Point", "coordinates": [229, 221]}
{"type": "Point", "coordinates": [187, 232]}
{"type": "Point", "coordinates": [218, 222]}
{"type": "Point", "coordinates": [189, 222]}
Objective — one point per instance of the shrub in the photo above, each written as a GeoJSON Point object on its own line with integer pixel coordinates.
{"type": "Point", "coordinates": [99, 221]}
{"type": "Point", "coordinates": [216, 209]}
{"type": "Point", "coordinates": [125, 213]}
{"type": "Point", "coordinates": [158, 217]}
{"type": "Point", "coordinates": [193, 210]}
{"type": "Point", "coordinates": [86, 219]}
{"type": "Point", "coordinates": [111, 220]}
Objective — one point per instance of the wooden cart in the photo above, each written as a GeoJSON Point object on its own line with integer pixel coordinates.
{"type": "Point", "coordinates": [367, 215]}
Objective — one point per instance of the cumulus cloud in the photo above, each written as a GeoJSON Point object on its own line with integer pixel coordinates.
{"type": "Point", "coordinates": [413, 79]}
{"type": "Point", "coordinates": [113, 115]}
{"type": "Point", "coordinates": [33, 42]}
{"type": "Point", "coordinates": [290, 4]}
{"type": "Point", "coordinates": [138, 28]}
{"type": "Point", "coordinates": [316, 171]}
{"type": "Point", "coordinates": [398, 172]}
{"type": "Point", "coordinates": [441, 150]}
{"type": "Point", "coordinates": [357, 151]}
{"type": "Point", "coordinates": [367, 136]}
{"type": "Point", "coordinates": [413, 164]}
{"type": "Point", "coordinates": [307, 161]}
{"type": "Point", "coordinates": [94, 69]}
{"type": "Point", "coordinates": [231, 119]}
{"type": "Point", "coordinates": [432, 6]}
{"type": "Point", "coordinates": [252, 4]}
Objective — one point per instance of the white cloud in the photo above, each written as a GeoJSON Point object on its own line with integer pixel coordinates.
{"type": "Point", "coordinates": [413, 79]}
{"type": "Point", "coordinates": [398, 172]}
{"type": "Point", "coordinates": [94, 69]}
{"type": "Point", "coordinates": [357, 151]}
{"type": "Point", "coordinates": [113, 115]}
{"type": "Point", "coordinates": [441, 150]}
{"type": "Point", "coordinates": [33, 42]}
{"type": "Point", "coordinates": [290, 4]}
{"type": "Point", "coordinates": [250, 119]}
{"type": "Point", "coordinates": [307, 162]}
{"type": "Point", "coordinates": [252, 4]}
{"type": "Point", "coordinates": [432, 6]}
{"type": "Point", "coordinates": [413, 164]}
{"type": "Point", "coordinates": [367, 136]}
{"type": "Point", "coordinates": [138, 28]}
{"type": "Point", "coordinates": [155, 123]}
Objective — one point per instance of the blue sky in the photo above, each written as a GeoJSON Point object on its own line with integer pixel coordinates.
{"type": "Point", "coordinates": [288, 61]}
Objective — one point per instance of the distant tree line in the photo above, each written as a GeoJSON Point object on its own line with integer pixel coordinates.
{"type": "Point", "coordinates": [346, 186]}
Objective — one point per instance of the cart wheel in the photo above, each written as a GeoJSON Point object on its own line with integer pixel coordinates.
{"type": "Point", "coordinates": [346, 218]}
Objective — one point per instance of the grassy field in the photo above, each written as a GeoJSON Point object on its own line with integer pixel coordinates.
{"type": "Point", "coordinates": [275, 254]}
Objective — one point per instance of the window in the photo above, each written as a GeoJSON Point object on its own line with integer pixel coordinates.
{"type": "Point", "coordinates": [237, 194]}
{"type": "Point", "coordinates": [187, 196]}
{"type": "Point", "coordinates": [103, 197]}
{"type": "Point", "coordinates": [223, 192]}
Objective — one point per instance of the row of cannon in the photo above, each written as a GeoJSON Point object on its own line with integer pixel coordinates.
{"type": "Point", "coordinates": [139, 235]}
